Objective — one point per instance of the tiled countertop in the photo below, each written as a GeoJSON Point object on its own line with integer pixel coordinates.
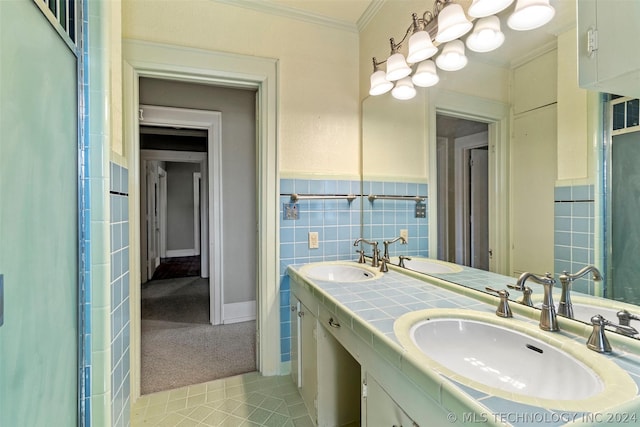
{"type": "Point", "coordinates": [373, 306]}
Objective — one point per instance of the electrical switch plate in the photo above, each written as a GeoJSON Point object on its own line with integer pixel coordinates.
{"type": "Point", "coordinates": [404, 233]}
{"type": "Point", "coordinates": [313, 240]}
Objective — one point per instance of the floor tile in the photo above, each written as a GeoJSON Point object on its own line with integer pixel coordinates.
{"type": "Point", "coordinates": [249, 400]}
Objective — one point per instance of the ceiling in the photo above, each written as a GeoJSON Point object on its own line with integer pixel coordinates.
{"type": "Point", "coordinates": [349, 12]}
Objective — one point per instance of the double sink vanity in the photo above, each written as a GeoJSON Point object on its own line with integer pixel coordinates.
{"type": "Point", "coordinates": [417, 348]}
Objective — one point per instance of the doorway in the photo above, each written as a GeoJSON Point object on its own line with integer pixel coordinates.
{"type": "Point", "coordinates": [190, 330]}
{"type": "Point", "coordinates": [463, 191]}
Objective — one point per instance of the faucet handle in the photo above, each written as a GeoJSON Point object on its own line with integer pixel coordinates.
{"type": "Point", "coordinates": [503, 309]}
{"type": "Point", "coordinates": [526, 294]}
{"type": "Point", "coordinates": [598, 340]}
{"type": "Point", "coordinates": [361, 259]}
{"type": "Point", "coordinates": [401, 260]}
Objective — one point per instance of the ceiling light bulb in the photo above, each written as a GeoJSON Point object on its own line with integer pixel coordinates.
{"type": "Point", "coordinates": [379, 83]}
{"type": "Point", "coordinates": [452, 23]}
{"type": "Point", "coordinates": [420, 47]}
{"type": "Point", "coordinates": [404, 89]}
{"type": "Point", "coordinates": [530, 14]}
{"type": "Point", "coordinates": [486, 35]}
{"type": "Point", "coordinates": [425, 75]}
{"type": "Point", "coordinates": [482, 8]}
{"type": "Point", "coordinates": [397, 67]}
{"type": "Point", "coordinates": [452, 57]}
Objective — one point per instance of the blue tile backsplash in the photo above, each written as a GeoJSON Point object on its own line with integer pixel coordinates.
{"type": "Point", "coordinates": [383, 219]}
{"type": "Point", "coordinates": [120, 316]}
{"type": "Point", "coordinates": [574, 212]}
{"type": "Point", "coordinates": [338, 224]}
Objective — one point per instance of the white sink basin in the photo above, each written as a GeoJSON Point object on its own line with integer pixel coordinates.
{"type": "Point", "coordinates": [339, 272]}
{"type": "Point", "coordinates": [428, 265]}
{"type": "Point", "coordinates": [508, 358]}
{"type": "Point", "coordinates": [505, 359]}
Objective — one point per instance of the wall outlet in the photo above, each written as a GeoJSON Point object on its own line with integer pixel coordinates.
{"type": "Point", "coordinates": [313, 240]}
{"type": "Point", "coordinates": [404, 233]}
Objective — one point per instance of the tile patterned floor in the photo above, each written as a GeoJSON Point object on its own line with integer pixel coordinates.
{"type": "Point", "coordinates": [243, 400]}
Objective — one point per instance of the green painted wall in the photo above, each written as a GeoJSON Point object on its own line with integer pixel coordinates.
{"type": "Point", "coordinates": [38, 220]}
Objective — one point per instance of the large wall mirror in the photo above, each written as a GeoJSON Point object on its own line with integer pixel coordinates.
{"type": "Point", "coordinates": [490, 183]}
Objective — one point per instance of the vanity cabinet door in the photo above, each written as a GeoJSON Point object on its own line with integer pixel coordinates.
{"type": "Point", "coordinates": [294, 306]}
{"type": "Point", "coordinates": [308, 375]}
{"type": "Point", "coordinates": [380, 409]}
{"type": "Point", "coordinates": [608, 51]}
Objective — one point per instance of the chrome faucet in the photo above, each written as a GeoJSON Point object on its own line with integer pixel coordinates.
{"type": "Point", "coordinates": [375, 258]}
{"type": "Point", "coordinates": [388, 242]}
{"type": "Point", "coordinates": [385, 257]}
{"type": "Point", "coordinates": [565, 307]}
{"type": "Point", "coordinates": [548, 321]}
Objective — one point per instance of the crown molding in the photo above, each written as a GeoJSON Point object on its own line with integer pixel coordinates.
{"type": "Point", "coordinates": [291, 13]}
{"type": "Point", "coordinates": [371, 11]}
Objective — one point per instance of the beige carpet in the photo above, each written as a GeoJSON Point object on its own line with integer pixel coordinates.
{"type": "Point", "coordinates": [183, 350]}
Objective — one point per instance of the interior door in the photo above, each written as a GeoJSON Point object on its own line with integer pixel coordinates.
{"type": "Point", "coordinates": [153, 218]}
{"type": "Point", "coordinates": [479, 217]}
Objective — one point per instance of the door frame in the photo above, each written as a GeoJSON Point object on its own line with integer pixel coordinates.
{"type": "Point", "coordinates": [496, 115]}
{"type": "Point", "coordinates": [462, 192]}
{"type": "Point", "coordinates": [147, 59]}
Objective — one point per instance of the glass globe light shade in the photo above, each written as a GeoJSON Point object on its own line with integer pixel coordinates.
{"type": "Point", "coordinates": [452, 23]}
{"type": "Point", "coordinates": [404, 89]}
{"type": "Point", "coordinates": [379, 83]}
{"type": "Point", "coordinates": [425, 75]}
{"type": "Point", "coordinates": [486, 35]}
{"type": "Point", "coordinates": [420, 47]}
{"type": "Point", "coordinates": [397, 67]}
{"type": "Point", "coordinates": [482, 8]}
{"type": "Point", "coordinates": [452, 57]}
{"type": "Point", "coordinates": [530, 14]}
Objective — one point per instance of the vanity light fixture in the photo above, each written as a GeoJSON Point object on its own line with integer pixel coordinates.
{"type": "Point", "coordinates": [444, 26]}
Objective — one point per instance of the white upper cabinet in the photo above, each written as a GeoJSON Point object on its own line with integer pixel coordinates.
{"type": "Point", "coordinates": [608, 47]}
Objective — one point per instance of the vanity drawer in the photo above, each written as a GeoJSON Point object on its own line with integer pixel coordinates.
{"type": "Point", "coordinates": [338, 326]}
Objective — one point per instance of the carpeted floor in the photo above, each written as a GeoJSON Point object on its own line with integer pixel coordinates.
{"type": "Point", "coordinates": [183, 266]}
{"type": "Point", "coordinates": [179, 346]}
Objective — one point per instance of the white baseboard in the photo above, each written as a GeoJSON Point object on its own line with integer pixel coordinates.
{"type": "Point", "coordinates": [174, 253]}
{"type": "Point", "coordinates": [239, 312]}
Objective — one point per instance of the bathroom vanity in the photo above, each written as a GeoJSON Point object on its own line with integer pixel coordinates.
{"type": "Point", "coordinates": [358, 360]}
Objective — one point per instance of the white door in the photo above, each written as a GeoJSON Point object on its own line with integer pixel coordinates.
{"type": "Point", "coordinates": [479, 218]}
{"type": "Point", "coordinates": [153, 222]}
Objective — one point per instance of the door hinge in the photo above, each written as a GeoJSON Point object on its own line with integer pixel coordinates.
{"type": "Point", "coordinates": [364, 389]}
{"type": "Point", "coordinates": [592, 42]}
